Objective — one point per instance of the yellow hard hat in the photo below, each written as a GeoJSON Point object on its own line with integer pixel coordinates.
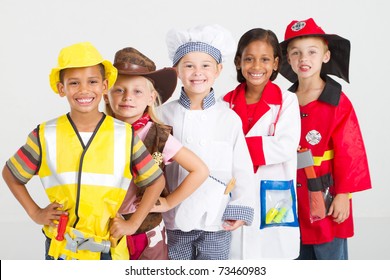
{"type": "Point", "coordinates": [81, 55]}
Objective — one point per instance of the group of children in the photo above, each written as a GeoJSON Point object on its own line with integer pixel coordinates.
{"type": "Point", "coordinates": [199, 177]}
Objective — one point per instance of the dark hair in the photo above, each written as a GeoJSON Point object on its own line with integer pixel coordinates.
{"type": "Point", "coordinates": [101, 69]}
{"type": "Point", "coordinates": [257, 34]}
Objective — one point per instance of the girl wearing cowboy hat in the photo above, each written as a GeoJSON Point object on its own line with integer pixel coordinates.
{"type": "Point", "coordinates": [138, 88]}
{"type": "Point", "coordinates": [330, 129]}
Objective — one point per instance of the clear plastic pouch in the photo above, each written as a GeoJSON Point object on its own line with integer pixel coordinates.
{"type": "Point", "coordinates": [278, 204]}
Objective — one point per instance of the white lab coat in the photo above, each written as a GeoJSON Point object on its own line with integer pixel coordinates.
{"type": "Point", "coordinates": [215, 135]}
{"type": "Point", "coordinates": [280, 153]}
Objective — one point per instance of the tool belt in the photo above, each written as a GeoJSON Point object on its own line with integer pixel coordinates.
{"type": "Point", "coordinates": [79, 246]}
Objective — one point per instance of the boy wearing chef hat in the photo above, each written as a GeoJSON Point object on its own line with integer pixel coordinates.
{"type": "Point", "coordinates": [200, 227]}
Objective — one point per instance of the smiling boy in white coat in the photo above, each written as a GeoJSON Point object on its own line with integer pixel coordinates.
{"type": "Point", "coordinates": [200, 227]}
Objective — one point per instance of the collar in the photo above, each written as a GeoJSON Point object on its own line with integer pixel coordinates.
{"type": "Point", "coordinates": [331, 93]}
{"type": "Point", "coordinates": [236, 99]}
{"type": "Point", "coordinates": [208, 101]}
{"type": "Point", "coordinates": [271, 94]}
{"type": "Point", "coordinates": [141, 122]}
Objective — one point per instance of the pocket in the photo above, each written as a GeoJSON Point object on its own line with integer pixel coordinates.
{"type": "Point", "coordinates": [204, 208]}
{"type": "Point", "coordinates": [320, 197]}
{"type": "Point", "coordinates": [278, 204]}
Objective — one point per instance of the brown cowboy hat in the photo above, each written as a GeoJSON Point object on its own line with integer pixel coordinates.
{"type": "Point", "coordinates": [130, 61]}
{"type": "Point", "coordinates": [339, 48]}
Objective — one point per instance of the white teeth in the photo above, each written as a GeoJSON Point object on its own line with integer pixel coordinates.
{"type": "Point", "coordinates": [84, 100]}
{"type": "Point", "coordinates": [257, 75]}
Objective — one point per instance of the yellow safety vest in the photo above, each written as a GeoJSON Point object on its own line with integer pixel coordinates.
{"type": "Point", "coordinates": [90, 180]}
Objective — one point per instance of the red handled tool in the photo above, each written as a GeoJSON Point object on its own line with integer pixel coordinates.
{"type": "Point", "coordinates": [62, 227]}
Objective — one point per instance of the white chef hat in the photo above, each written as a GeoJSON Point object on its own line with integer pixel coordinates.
{"type": "Point", "coordinates": [211, 39]}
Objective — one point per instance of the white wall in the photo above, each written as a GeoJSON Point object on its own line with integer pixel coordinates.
{"type": "Point", "coordinates": [33, 32]}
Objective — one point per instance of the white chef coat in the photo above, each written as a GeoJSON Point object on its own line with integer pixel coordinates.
{"type": "Point", "coordinates": [215, 135]}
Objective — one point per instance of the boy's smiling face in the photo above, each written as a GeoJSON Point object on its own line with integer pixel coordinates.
{"type": "Point", "coordinates": [198, 71]}
{"type": "Point", "coordinates": [83, 87]}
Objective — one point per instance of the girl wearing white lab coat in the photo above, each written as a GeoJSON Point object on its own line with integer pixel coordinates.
{"type": "Point", "coordinates": [271, 124]}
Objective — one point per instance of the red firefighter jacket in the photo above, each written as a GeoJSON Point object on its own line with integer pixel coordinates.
{"type": "Point", "coordinates": [330, 128]}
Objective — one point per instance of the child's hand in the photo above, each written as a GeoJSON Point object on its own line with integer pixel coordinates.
{"type": "Point", "coordinates": [339, 209]}
{"type": "Point", "coordinates": [120, 227]}
{"type": "Point", "coordinates": [48, 215]}
{"type": "Point", "coordinates": [231, 225]}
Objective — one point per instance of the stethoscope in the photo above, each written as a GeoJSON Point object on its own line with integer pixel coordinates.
{"type": "Point", "coordinates": [272, 127]}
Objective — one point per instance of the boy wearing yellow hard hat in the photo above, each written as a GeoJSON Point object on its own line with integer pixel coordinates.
{"type": "Point", "coordinates": [85, 161]}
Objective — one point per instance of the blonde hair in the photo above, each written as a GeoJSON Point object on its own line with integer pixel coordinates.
{"type": "Point", "coordinates": [151, 110]}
